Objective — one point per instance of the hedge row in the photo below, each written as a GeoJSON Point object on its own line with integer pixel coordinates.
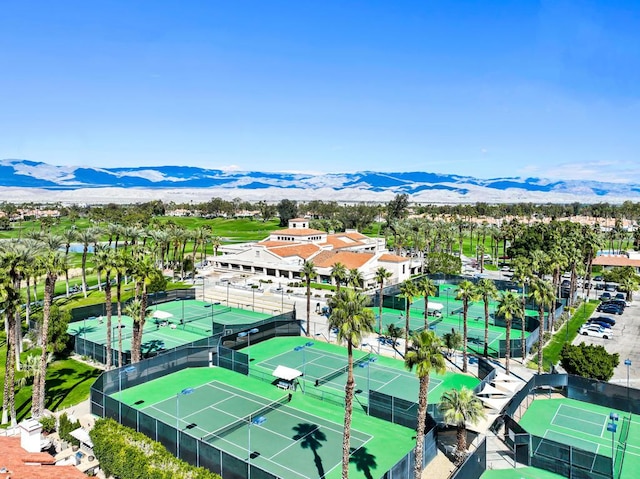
{"type": "Point", "coordinates": [127, 454]}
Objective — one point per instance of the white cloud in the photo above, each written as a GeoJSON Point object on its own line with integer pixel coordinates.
{"type": "Point", "coordinates": [604, 170]}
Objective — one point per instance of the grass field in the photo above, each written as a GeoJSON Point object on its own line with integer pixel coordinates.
{"type": "Point", "coordinates": [68, 383]}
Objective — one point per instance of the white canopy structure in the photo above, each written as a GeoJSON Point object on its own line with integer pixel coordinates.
{"type": "Point", "coordinates": [162, 315]}
{"type": "Point", "coordinates": [83, 436]}
{"type": "Point", "coordinates": [435, 306]}
{"type": "Point", "coordinates": [288, 374]}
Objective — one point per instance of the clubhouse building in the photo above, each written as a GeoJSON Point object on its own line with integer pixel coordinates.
{"type": "Point", "coordinates": [282, 254]}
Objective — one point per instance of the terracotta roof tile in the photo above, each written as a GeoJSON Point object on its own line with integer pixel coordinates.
{"type": "Point", "coordinates": [302, 250]}
{"type": "Point", "coordinates": [349, 259]}
{"type": "Point", "coordinates": [392, 258]}
{"type": "Point", "coordinates": [28, 465]}
{"type": "Point", "coordinates": [618, 260]}
{"type": "Point", "coordinates": [298, 232]}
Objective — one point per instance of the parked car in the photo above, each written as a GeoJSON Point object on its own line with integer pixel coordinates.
{"type": "Point", "coordinates": [605, 296]}
{"type": "Point", "coordinates": [602, 324]}
{"type": "Point", "coordinates": [610, 287]}
{"type": "Point", "coordinates": [619, 302]}
{"type": "Point", "coordinates": [621, 296]}
{"type": "Point", "coordinates": [598, 278]}
{"type": "Point", "coordinates": [599, 286]}
{"type": "Point", "coordinates": [610, 308]}
{"type": "Point", "coordinates": [607, 319]}
{"type": "Point", "coordinates": [595, 331]}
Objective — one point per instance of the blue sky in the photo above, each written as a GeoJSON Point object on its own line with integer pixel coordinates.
{"type": "Point", "coordinates": [480, 88]}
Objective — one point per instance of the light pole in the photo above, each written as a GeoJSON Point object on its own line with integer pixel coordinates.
{"type": "Point", "coordinates": [248, 334]}
{"type": "Point", "coordinates": [182, 309]}
{"type": "Point", "coordinates": [612, 427]}
{"type": "Point", "coordinates": [184, 392]}
{"type": "Point", "coordinates": [302, 347]}
{"type": "Point", "coordinates": [253, 298]}
{"type": "Point", "coordinates": [367, 364]}
{"type": "Point", "coordinates": [258, 421]}
{"type": "Point", "coordinates": [627, 363]}
{"type": "Point", "coordinates": [227, 293]}
{"type": "Point", "coordinates": [281, 297]}
{"type": "Point", "coordinates": [127, 370]}
{"type": "Point", "coordinates": [446, 290]}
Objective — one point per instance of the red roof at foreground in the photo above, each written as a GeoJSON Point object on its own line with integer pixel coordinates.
{"type": "Point", "coordinates": [20, 464]}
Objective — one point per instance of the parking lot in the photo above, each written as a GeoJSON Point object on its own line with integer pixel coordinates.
{"type": "Point", "coordinates": [625, 342]}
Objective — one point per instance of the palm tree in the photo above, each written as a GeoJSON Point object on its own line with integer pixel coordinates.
{"type": "Point", "coordinates": [53, 264]}
{"type": "Point", "coordinates": [522, 274]}
{"type": "Point", "coordinates": [144, 270]}
{"type": "Point", "coordinates": [352, 318]}
{"type": "Point", "coordinates": [426, 287]}
{"type": "Point", "coordinates": [542, 293]}
{"type": "Point", "coordinates": [381, 275]}
{"type": "Point", "coordinates": [425, 356]}
{"type": "Point", "coordinates": [467, 293]}
{"type": "Point", "coordinates": [122, 266]}
{"type": "Point", "coordinates": [408, 291]}
{"type": "Point", "coordinates": [354, 278]}
{"type": "Point", "coordinates": [69, 236]}
{"type": "Point", "coordinates": [459, 407]}
{"type": "Point", "coordinates": [487, 291]}
{"type": "Point", "coordinates": [308, 272]}
{"type": "Point", "coordinates": [338, 274]}
{"type": "Point", "coordinates": [86, 237]}
{"type": "Point", "coordinates": [106, 261]}
{"type": "Point", "coordinates": [509, 307]}
{"type": "Point", "coordinates": [9, 302]}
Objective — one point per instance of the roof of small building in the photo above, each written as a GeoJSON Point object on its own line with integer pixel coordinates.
{"type": "Point", "coordinates": [392, 258]}
{"type": "Point", "coordinates": [21, 464]}
{"type": "Point", "coordinates": [298, 232]}
{"type": "Point", "coordinates": [616, 260]}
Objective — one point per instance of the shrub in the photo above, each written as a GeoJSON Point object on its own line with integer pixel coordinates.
{"type": "Point", "coordinates": [48, 424]}
{"type": "Point", "coordinates": [65, 426]}
{"type": "Point", "coordinates": [128, 454]}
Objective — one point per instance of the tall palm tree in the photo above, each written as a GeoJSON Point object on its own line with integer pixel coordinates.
{"type": "Point", "coordinates": [467, 293]}
{"type": "Point", "coordinates": [408, 291]}
{"type": "Point", "coordinates": [522, 274]}
{"type": "Point", "coordinates": [144, 270]}
{"type": "Point", "coordinates": [426, 287]}
{"type": "Point", "coordinates": [53, 264]}
{"type": "Point", "coordinates": [308, 272]}
{"type": "Point", "coordinates": [105, 259]}
{"type": "Point", "coordinates": [509, 307]}
{"type": "Point", "coordinates": [382, 274]}
{"type": "Point", "coordinates": [69, 236]}
{"type": "Point", "coordinates": [9, 303]}
{"type": "Point", "coordinates": [425, 356]}
{"type": "Point", "coordinates": [86, 237]}
{"type": "Point", "coordinates": [122, 266]}
{"type": "Point", "coordinates": [487, 291]}
{"type": "Point", "coordinates": [541, 292]}
{"type": "Point", "coordinates": [338, 274]}
{"type": "Point", "coordinates": [351, 317]}
{"type": "Point", "coordinates": [459, 408]}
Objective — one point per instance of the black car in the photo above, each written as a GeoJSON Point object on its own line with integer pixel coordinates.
{"type": "Point", "coordinates": [598, 278]}
{"type": "Point", "coordinates": [605, 319]}
{"type": "Point", "coordinates": [619, 302]}
{"type": "Point", "coordinates": [610, 308]}
{"type": "Point", "coordinates": [604, 324]}
{"type": "Point", "coordinates": [605, 296]}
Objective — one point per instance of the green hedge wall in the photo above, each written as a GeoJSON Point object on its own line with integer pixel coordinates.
{"type": "Point", "coordinates": [127, 454]}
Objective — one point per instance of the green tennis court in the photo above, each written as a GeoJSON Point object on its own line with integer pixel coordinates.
{"type": "Point", "coordinates": [255, 422]}
{"type": "Point", "coordinates": [169, 325]}
{"type": "Point", "coordinates": [326, 365]}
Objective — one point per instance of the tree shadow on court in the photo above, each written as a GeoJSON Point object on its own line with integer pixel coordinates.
{"type": "Point", "coordinates": [311, 438]}
{"type": "Point", "coordinates": [363, 460]}
{"type": "Point", "coordinates": [152, 347]}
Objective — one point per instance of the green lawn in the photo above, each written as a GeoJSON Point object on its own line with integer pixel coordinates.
{"type": "Point", "coordinates": [568, 332]}
{"type": "Point", "coordinates": [68, 383]}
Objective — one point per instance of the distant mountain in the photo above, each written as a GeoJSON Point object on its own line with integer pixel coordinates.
{"type": "Point", "coordinates": [22, 179]}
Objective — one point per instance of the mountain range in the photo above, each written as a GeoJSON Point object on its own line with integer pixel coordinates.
{"type": "Point", "coordinates": [26, 181]}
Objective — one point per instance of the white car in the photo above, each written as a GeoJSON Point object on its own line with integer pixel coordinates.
{"type": "Point", "coordinates": [595, 331]}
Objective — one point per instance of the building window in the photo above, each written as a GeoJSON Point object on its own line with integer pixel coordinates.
{"type": "Point", "coordinates": [404, 266]}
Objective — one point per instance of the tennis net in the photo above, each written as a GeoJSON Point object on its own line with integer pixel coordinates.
{"type": "Point", "coordinates": [203, 330]}
{"type": "Point", "coordinates": [240, 422]}
{"type": "Point", "coordinates": [115, 338]}
{"type": "Point", "coordinates": [334, 374]}
{"type": "Point", "coordinates": [198, 317]}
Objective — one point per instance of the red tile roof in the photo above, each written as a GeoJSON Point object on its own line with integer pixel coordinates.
{"type": "Point", "coordinates": [305, 250]}
{"type": "Point", "coordinates": [298, 232]}
{"type": "Point", "coordinates": [21, 464]}
{"type": "Point", "coordinates": [617, 260]}
{"type": "Point", "coordinates": [392, 258]}
{"type": "Point", "coordinates": [349, 259]}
